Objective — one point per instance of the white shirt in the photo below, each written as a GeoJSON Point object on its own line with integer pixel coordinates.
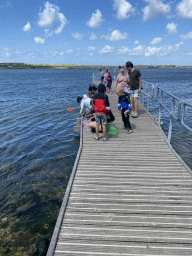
{"type": "Point", "coordinates": [85, 103]}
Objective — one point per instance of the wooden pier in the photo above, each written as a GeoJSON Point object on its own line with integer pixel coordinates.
{"type": "Point", "coordinates": [131, 195]}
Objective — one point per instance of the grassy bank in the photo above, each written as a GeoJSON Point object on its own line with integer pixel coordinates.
{"type": "Point", "coordinates": [71, 66]}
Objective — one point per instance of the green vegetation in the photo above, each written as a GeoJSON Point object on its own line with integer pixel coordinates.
{"type": "Point", "coordinates": [73, 66]}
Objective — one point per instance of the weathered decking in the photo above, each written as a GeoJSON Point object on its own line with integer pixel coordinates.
{"type": "Point", "coordinates": [131, 195]}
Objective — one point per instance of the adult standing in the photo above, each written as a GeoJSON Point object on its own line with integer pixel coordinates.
{"type": "Point", "coordinates": [122, 79]}
{"type": "Point", "coordinates": [135, 86]}
{"type": "Point", "coordinates": [105, 79]}
{"type": "Point", "coordinates": [109, 83]}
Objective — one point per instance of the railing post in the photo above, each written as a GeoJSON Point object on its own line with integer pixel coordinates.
{"type": "Point", "coordinates": [148, 96]}
{"type": "Point", "coordinates": [144, 94]}
{"type": "Point", "coordinates": [160, 107]}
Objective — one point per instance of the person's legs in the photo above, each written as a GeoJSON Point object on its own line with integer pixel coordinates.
{"type": "Point", "coordinates": [104, 122]}
{"type": "Point", "coordinates": [104, 132]}
{"type": "Point", "coordinates": [97, 120]}
{"type": "Point", "coordinates": [124, 118]}
{"type": "Point", "coordinates": [128, 122]}
{"type": "Point", "coordinates": [97, 132]}
{"type": "Point", "coordinates": [135, 106]}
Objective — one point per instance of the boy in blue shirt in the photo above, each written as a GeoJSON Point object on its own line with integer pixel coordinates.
{"type": "Point", "coordinates": [124, 107]}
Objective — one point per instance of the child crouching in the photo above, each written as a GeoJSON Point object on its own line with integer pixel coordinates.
{"type": "Point", "coordinates": [124, 107]}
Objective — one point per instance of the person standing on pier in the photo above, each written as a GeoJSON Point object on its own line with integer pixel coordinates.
{"type": "Point", "coordinates": [124, 108]}
{"type": "Point", "coordinates": [122, 79]}
{"type": "Point", "coordinates": [135, 83]}
{"type": "Point", "coordinates": [105, 81]}
{"type": "Point", "coordinates": [101, 109]}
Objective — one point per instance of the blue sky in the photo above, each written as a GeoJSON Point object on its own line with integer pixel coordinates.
{"type": "Point", "coordinates": [96, 32]}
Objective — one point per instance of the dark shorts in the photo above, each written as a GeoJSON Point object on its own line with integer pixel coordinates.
{"type": "Point", "coordinates": [109, 85]}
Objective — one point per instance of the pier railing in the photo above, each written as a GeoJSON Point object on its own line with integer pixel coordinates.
{"type": "Point", "coordinates": [173, 108]}
{"type": "Point", "coordinates": [146, 94]}
{"type": "Point", "coordinates": [183, 115]}
{"type": "Point", "coordinates": [174, 112]}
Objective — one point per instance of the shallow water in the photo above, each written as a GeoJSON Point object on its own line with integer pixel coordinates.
{"type": "Point", "coordinates": [38, 146]}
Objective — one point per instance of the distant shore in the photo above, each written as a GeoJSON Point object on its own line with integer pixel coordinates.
{"type": "Point", "coordinates": [71, 66]}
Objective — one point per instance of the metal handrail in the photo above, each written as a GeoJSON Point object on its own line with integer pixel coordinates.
{"type": "Point", "coordinates": [147, 90]}
{"type": "Point", "coordinates": [183, 115]}
{"type": "Point", "coordinates": [171, 113]}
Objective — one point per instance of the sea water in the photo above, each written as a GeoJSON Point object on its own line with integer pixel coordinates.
{"type": "Point", "coordinates": [38, 146]}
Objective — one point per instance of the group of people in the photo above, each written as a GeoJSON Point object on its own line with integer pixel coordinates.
{"type": "Point", "coordinates": [127, 86]}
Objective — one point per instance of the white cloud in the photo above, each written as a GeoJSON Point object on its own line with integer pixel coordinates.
{"type": "Point", "coordinates": [77, 35]}
{"type": "Point", "coordinates": [150, 51]}
{"type": "Point", "coordinates": [162, 51]}
{"type": "Point", "coordinates": [91, 51]}
{"type": "Point", "coordinates": [156, 41]}
{"type": "Point", "coordinates": [92, 37]}
{"type": "Point", "coordinates": [7, 52]}
{"type": "Point", "coordinates": [49, 17]}
{"type": "Point", "coordinates": [116, 36]}
{"type": "Point", "coordinates": [27, 27]}
{"type": "Point", "coordinates": [184, 9]}
{"type": "Point", "coordinates": [136, 42]}
{"type": "Point", "coordinates": [171, 28]}
{"type": "Point", "coordinates": [186, 36]}
{"type": "Point", "coordinates": [96, 20]}
{"type": "Point", "coordinates": [39, 40]}
{"type": "Point", "coordinates": [61, 53]}
{"type": "Point", "coordinates": [69, 51]}
{"type": "Point", "coordinates": [124, 9]}
{"type": "Point", "coordinates": [154, 8]}
{"type": "Point", "coordinates": [138, 51]}
{"type": "Point", "coordinates": [107, 49]}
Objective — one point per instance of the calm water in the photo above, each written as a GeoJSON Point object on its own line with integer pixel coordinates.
{"type": "Point", "coordinates": [38, 146]}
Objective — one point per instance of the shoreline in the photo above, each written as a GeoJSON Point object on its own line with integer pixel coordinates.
{"type": "Point", "coordinates": [73, 66]}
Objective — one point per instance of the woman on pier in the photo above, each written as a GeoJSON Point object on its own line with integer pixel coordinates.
{"type": "Point", "coordinates": [122, 79]}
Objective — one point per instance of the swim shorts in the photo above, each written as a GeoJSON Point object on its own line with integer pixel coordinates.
{"type": "Point", "coordinates": [100, 118]}
{"type": "Point", "coordinates": [134, 93]}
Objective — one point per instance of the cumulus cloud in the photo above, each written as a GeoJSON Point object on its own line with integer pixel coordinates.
{"type": "Point", "coordinates": [7, 52]}
{"type": "Point", "coordinates": [150, 51]}
{"type": "Point", "coordinates": [136, 42]}
{"type": "Point", "coordinates": [156, 41]}
{"type": "Point", "coordinates": [39, 40]}
{"type": "Point", "coordinates": [154, 8]}
{"type": "Point", "coordinates": [171, 29]}
{"type": "Point", "coordinates": [116, 36]}
{"type": "Point", "coordinates": [69, 51]}
{"type": "Point", "coordinates": [186, 36]}
{"type": "Point", "coordinates": [138, 51]}
{"type": "Point", "coordinates": [162, 51]}
{"type": "Point", "coordinates": [124, 9]}
{"type": "Point", "coordinates": [61, 53]}
{"type": "Point", "coordinates": [96, 20]}
{"type": "Point", "coordinates": [91, 51]}
{"type": "Point", "coordinates": [27, 27]}
{"type": "Point", "coordinates": [107, 49]}
{"type": "Point", "coordinates": [49, 17]}
{"type": "Point", "coordinates": [77, 35]}
{"type": "Point", "coordinates": [184, 9]}
{"type": "Point", "coordinates": [92, 37]}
